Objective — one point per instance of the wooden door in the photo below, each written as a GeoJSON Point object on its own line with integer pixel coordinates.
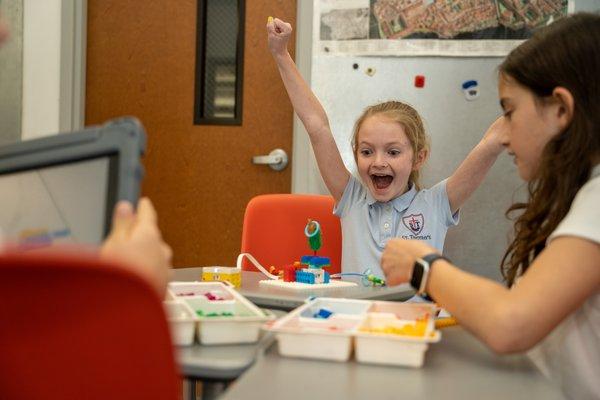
{"type": "Point", "coordinates": [141, 62]}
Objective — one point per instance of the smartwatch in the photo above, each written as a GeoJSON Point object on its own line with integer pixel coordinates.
{"type": "Point", "coordinates": [421, 271]}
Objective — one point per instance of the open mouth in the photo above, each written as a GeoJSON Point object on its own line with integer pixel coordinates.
{"type": "Point", "coordinates": [382, 181]}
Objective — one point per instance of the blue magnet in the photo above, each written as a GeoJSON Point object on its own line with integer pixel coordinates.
{"type": "Point", "coordinates": [470, 89]}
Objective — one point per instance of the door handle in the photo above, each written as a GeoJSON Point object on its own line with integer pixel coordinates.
{"type": "Point", "coordinates": [277, 160]}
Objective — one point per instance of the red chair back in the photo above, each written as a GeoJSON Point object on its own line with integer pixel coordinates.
{"type": "Point", "coordinates": [76, 327]}
{"type": "Point", "coordinates": [274, 224]}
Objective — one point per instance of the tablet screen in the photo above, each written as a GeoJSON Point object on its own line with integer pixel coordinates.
{"type": "Point", "coordinates": [63, 203]}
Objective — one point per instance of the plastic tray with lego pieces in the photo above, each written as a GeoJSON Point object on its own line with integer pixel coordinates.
{"type": "Point", "coordinates": [220, 315]}
{"type": "Point", "coordinates": [208, 290]}
{"type": "Point", "coordinates": [380, 332]}
{"type": "Point", "coordinates": [182, 322]}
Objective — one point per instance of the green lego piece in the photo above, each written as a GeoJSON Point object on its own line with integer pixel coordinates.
{"type": "Point", "coordinates": [313, 233]}
{"type": "Point", "coordinates": [375, 280]}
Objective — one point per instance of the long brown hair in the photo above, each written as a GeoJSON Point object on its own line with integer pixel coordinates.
{"type": "Point", "coordinates": [565, 54]}
{"type": "Point", "coordinates": [410, 120]}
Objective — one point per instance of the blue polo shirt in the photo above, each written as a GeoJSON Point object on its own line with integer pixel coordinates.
{"type": "Point", "coordinates": [367, 224]}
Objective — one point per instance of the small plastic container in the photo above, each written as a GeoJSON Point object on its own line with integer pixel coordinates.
{"type": "Point", "coordinates": [305, 333]}
{"type": "Point", "coordinates": [380, 332]}
{"type": "Point", "coordinates": [338, 307]}
{"type": "Point", "coordinates": [182, 322]}
{"type": "Point", "coordinates": [396, 334]}
{"type": "Point", "coordinates": [184, 290]}
{"type": "Point", "coordinates": [224, 317]}
{"type": "Point", "coordinates": [232, 275]}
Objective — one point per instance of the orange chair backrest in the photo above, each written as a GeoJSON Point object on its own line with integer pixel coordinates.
{"type": "Point", "coordinates": [273, 230]}
{"type": "Point", "coordinates": [74, 327]}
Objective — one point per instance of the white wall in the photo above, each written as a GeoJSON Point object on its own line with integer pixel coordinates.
{"type": "Point", "coordinates": [53, 66]}
{"type": "Point", "coordinates": [41, 67]}
{"type": "Point", "coordinates": [305, 174]}
{"type": "Point", "coordinates": [11, 71]}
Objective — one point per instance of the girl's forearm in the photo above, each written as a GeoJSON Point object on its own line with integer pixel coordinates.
{"type": "Point", "coordinates": [480, 305]}
{"type": "Point", "coordinates": [313, 117]}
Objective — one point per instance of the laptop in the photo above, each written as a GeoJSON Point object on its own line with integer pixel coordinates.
{"type": "Point", "coordinates": [285, 299]}
{"type": "Point", "coordinates": [63, 188]}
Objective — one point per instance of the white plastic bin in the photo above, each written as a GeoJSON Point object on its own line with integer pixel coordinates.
{"type": "Point", "coordinates": [396, 338]}
{"type": "Point", "coordinates": [182, 322]}
{"type": "Point", "coordinates": [230, 319]}
{"type": "Point", "coordinates": [380, 332]}
{"type": "Point", "coordinates": [301, 334]}
{"type": "Point", "coordinates": [408, 352]}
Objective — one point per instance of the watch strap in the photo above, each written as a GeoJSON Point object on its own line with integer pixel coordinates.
{"type": "Point", "coordinates": [433, 257]}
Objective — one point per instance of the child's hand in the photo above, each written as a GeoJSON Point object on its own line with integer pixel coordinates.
{"type": "Point", "coordinates": [279, 33]}
{"type": "Point", "coordinates": [136, 240]}
{"type": "Point", "coordinates": [493, 136]}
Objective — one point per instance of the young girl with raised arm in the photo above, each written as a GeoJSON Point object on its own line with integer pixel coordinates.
{"type": "Point", "coordinates": [390, 146]}
{"type": "Point", "coordinates": [549, 89]}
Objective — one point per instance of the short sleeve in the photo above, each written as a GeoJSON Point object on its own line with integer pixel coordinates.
{"type": "Point", "coordinates": [438, 198]}
{"type": "Point", "coordinates": [583, 219]}
{"type": "Point", "coordinates": [352, 193]}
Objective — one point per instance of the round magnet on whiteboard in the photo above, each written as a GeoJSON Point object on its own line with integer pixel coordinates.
{"type": "Point", "coordinates": [470, 89]}
{"type": "Point", "coordinates": [419, 81]}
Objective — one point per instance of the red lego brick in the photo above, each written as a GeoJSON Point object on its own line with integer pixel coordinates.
{"type": "Point", "coordinates": [289, 273]}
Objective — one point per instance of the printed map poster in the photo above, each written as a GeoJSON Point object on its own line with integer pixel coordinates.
{"type": "Point", "coordinates": [430, 27]}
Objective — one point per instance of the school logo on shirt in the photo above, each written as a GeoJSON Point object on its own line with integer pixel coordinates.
{"type": "Point", "coordinates": [414, 222]}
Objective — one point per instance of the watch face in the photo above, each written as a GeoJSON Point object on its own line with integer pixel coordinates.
{"type": "Point", "coordinates": [417, 276]}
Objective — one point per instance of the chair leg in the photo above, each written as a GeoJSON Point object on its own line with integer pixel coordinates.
{"type": "Point", "coordinates": [189, 389]}
{"type": "Point", "coordinates": [213, 389]}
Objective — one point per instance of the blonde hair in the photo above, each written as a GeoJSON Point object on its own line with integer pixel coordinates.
{"type": "Point", "coordinates": [410, 120]}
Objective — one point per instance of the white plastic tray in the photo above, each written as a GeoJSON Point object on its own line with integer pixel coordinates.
{"type": "Point", "coordinates": [380, 332]}
{"type": "Point", "coordinates": [229, 319]}
{"type": "Point", "coordinates": [299, 334]}
{"type": "Point", "coordinates": [393, 348]}
{"type": "Point", "coordinates": [182, 322]}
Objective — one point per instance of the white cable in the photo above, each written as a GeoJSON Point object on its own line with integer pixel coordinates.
{"type": "Point", "coordinates": [255, 263]}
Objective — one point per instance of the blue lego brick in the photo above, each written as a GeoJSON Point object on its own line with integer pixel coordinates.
{"type": "Point", "coordinates": [306, 259]}
{"type": "Point", "coordinates": [315, 261]}
{"type": "Point", "coordinates": [323, 313]}
{"type": "Point", "coordinates": [305, 277]}
{"type": "Point", "coordinates": [326, 277]}
{"type": "Point", "coordinates": [321, 261]}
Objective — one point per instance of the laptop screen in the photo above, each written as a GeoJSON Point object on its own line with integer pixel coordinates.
{"type": "Point", "coordinates": [63, 189]}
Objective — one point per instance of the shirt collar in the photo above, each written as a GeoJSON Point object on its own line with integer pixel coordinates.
{"type": "Point", "coordinates": [400, 203]}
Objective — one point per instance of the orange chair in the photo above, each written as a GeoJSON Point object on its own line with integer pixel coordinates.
{"type": "Point", "coordinates": [274, 224]}
{"type": "Point", "coordinates": [75, 327]}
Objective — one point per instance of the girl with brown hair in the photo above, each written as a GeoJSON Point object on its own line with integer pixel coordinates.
{"type": "Point", "coordinates": [550, 93]}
